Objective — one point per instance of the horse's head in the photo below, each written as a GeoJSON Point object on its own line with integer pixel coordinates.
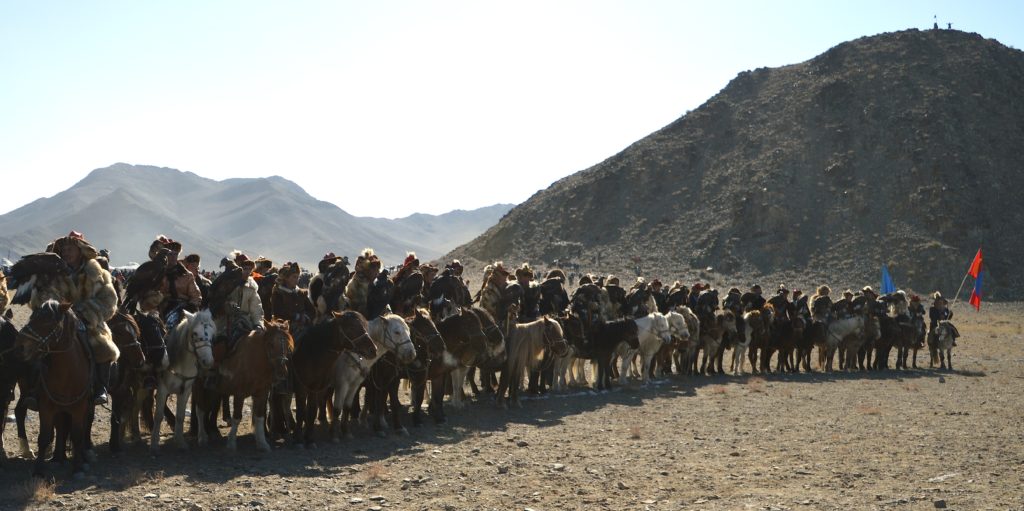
{"type": "Point", "coordinates": [279, 346]}
{"type": "Point", "coordinates": [201, 330]}
{"type": "Point", "coordinates": [554, 337]}
{"type": "Point", "coordinates": [441, 308]}
{"type": "Point", "coordinates": [944, 331]}
{"type": "Point", "coordinates": [152, 335]}
{"type": "Point", "coordinates": [425, 333]}
{"type": "Point", "coordinates": [396, 338]}
{"type": "Point", "coordinates": [351, 333]}
{"type": "Point", "coordinates": [728, 320]}
{"type": "Point", "coordinates": [48, 324]}
{"type": "Point", "coordinates": [126, 333]}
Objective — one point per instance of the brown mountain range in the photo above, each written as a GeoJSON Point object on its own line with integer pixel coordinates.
{"type": "Point", "coordinates": [903, 148]}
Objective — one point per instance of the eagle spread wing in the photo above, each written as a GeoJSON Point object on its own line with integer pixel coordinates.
{"type": "Point", "coordinates": [27, 271]}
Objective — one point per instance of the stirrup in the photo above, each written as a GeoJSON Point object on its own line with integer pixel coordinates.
{"type": "Point", "coordinates": [101, 398]}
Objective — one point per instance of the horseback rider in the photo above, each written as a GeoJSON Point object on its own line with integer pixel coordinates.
{"type": "Point", "coordinates": [782, 306]}
{"type": "Point", "coordinates": [732, 301]}
{"type": "Point", "coordinates": [707, 304]}
{"type": "Point", "coordinates": [90, 290]}
{"type": "Point", "coordinates": [843, 308]}
{"type": "Point", "coordinates": [529, 302]}
{"type": "Point", "coordinates": [245, 310]}
{"type": "Point", "coordinates": [180, 291]}
{"type": "Point", "coordinates": [939, 311]}
{"type": "Point", "coordinates": [191, 262]}
{"type": "Point", "coordinates": [265, 275]}
{"type": "Point", "coordinates": [752, 300]}
{"type": "Point", "coordinates": [290, 303]}
{"type": "Point", "coordinates": [660, 295]}
{"type": "Point", "coordinates": [821, 304]}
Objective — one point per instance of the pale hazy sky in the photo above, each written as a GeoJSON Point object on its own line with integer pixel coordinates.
{"type": "Point", "coordinates": [455, 104]}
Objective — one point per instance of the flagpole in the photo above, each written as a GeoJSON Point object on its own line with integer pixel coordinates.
{"type": "Point", "coordinates": [961, 288]}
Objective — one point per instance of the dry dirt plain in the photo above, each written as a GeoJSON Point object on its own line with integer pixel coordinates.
{"type": "Point", "coordinates": [920, 439]}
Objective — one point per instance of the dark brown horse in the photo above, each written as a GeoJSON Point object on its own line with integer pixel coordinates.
{"type": "Point", "coordinates": [312, 365]}
{"type": "Point", "coordinates": [258, 361]}
{"type": "Point", "coordinates": [12, 369]}
{"type": "Point", "coordinates": [65, 381]}
{"type": "Point", "coordinates": [126, 377]}
{"type": "Point", "coordinates": [467, 346]}
{"type": "Point", "coordinates": [385, 376]}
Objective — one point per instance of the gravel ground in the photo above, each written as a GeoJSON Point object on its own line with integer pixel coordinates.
{"type": "Point", "coordinates": [920, 439]}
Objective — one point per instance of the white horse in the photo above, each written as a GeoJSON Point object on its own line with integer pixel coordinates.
{"type": "Point", "coordinates": [391, 334]}
{"type": "Point", "coordinates": [945, 335]}
{"type": "Point", "coordinates": [679, 327]}
{"type": "Point", "coordinates": [189, 349]}
{"type": "Point", "coordinates": [839, 330]}
{"type": "Point", "coordinates": [654, 332]}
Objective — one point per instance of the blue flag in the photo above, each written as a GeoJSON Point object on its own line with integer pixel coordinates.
{"type": "Point", "coordinates": [887, 285]}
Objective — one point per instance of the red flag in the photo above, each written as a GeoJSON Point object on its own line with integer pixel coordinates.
{"type": "Point", "coordinates": [976, 294]}
{"type": "Point", "coordinates": [976, 265]}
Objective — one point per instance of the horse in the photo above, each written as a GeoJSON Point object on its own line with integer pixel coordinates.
{"type": "Point", "coordinates": [682, 320]}
{"type": "Point", "coordinates": [920, 333]}
{"type": "Point", "coordinates": [390, 334]}
{"type": "Point", "coordinates": [838, 331]}
{"type": "Point", "coordinates": [944, 337]}
{"type": "Point", "coordinates": [604, 338]}
{"type": "Point", "coordinates": [526, 346]}
{"type": "Point", "coordinates": [189, 350]}
{"type": "Point", "coordinates": [494, 354]}
{"type": "Point", "coordinates": [127, 394]}
{"type": "Point", "coordinates": [258, 361]}
{"type": "Point", "coordinates": [126, 333]}
{"type": "Point", "coordinates": [424, 331]}
{"type": "Point", "coordinates": [575, 335]}
{"type": "Point", "coordinates": [653, 332]}
{"type": "Point", "coordinates": [467, 344]}
{"type": "Point", "coordinates": [52, 336]}
{"type": "Point", "coordinates": [385, 376]}
{"type": "Point", "coordinates": [755, 329]}
{"type": "Point", "coordinates": [722, 324]}
{"type": "Point", "coordinates": [312, 364]}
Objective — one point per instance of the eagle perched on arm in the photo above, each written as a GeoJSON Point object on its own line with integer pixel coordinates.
{"type": "Point", "coordinates": [30, 269]}
{"type": "Point", "coordinates": [149, 276]}
{"type": "Point", "coordinates": [228, 281]}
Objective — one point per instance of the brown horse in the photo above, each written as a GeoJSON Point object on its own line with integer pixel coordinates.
{"type": "Point", "coordinates": [125, 379]}
{"type": "Point", "coordinates": [466, 345]}
{"type": "Point", "coordinates": [258, 361]}
{"type": "Point", "coordinates": [312, 365]}
{"type": "Point", "coordinates": [65, 381]}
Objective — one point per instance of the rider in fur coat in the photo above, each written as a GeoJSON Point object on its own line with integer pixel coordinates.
{"type": "Point", "coordinates": [90, 290]}
{"type": "Point", "coordinates": [246, 300]}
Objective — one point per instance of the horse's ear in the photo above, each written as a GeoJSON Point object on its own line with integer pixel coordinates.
{"type": "Point", "coordinates": [64, 307]}
{"type": "Point", "coordinates": [336, 314]}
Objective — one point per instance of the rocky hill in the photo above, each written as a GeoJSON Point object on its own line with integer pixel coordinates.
{"type": "Point", "coordinates": [123, 207]}
{"type": "Point", "coordinates": [902, 148]}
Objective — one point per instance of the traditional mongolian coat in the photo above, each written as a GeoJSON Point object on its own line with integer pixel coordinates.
{"type": "Point", "coordinates": [90, 289]}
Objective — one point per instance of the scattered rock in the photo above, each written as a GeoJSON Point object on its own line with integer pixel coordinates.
{"type": "Point", "coordinates": [522, 443]}
{"type": "Point", "coordinates": [943, 477]}
{"type": "Point", "coordinates": [622, 486]}
{"type": "Point", "coordinates": [734, 453]}
{"type": "Point", "coordinates": [378, 498]}
{"type": "Point", "coordinates": [558, 467]}
{"type": "Point", "coordinates": [149, 496]}
{"type": "Point", "coordinates": [503, 469]}
{"type": "Point", "coordinates": [940, 504]}
{"type": "Point", "coordinates": [355, 500]}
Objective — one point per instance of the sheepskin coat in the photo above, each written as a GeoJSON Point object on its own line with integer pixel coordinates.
{"type": "Point", "coordinates": [90, 290]}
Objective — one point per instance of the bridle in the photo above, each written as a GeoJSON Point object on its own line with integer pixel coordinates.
{"type": "Point", "coordinates": [282, 345]}
{"type": "Point", "coordinates": [42, 341]}
{"type": "Point", "coordinates": [559, 342]}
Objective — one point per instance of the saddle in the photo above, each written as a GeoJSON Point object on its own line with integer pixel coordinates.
{"type": "Point", "coordinates": [238, 326]}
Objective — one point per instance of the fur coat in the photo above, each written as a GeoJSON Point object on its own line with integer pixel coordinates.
{"type": "Point", "coordinates": [247, 299]}
{"type": "Point", "coordinates": [4, 300]}
{"type": "Point", "coordinates": [90, 289]}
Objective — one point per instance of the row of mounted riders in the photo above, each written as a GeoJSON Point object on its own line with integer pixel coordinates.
{"type": "Point", "coordinates": [369, 329]}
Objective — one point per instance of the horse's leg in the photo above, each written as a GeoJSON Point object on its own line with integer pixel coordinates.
{"type": "Point", "coordinates": [20, 413]}
{"type": "Point", "coordinates": [179, 423]}
{"type": "Point", "coordinates": [236, 418]}
{"type": "Point", "coordinates": [259, 417]}
{"type": "Point", "coordinates": [62, 424]}
{"type": "Point", "coordinates": [503, 385]}
{"type": "Point", "coordinates": [646, 369]}
{"type": "Point", "coordinates": [300, 416]}
{"type": "Point", "coordinates": [436, 405]}
{"type": "Point", "coordinates": [312, 408]}
{"type": "Point", "coordinates": [43, 444]}
{"type": "Point", "coordinates": [458, 377]}
{"type": "Point", "coordinates": [338, 411]}
{"type": "Point", "coordinates": [396, 408]}
{"type": "Point", "coordinates": [419, 390]}
{"type": "Point", "coordinates": [79, 425]}
{"type": "Point", "coordinates": [203, 402]}
{"type": "Point", "coordinates": [160, 402]}
{"type": "Point", "coordinates": [949, 359]}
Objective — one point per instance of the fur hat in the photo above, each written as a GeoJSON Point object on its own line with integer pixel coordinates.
{"type": "Point", "coordinates": [456, 267]}
{"type": "Point", "coordinates": [734, 291]}
{"type": "Point", "coordinates": [368, 262]}
{"type": "Point", "coordinates": [797, 292]}
{"type": "Point", "coordinates": [263, 264]}
{"type": "Point", "coordinates": [656, 283]}
{"type": "Point", "coordinates": [824, 290]}
{"type": "Point", "coordinates": [586, 279]}
{"type": "Point", "coordinates": [868, 289]}
{"type": "Point", "coordinates": [288, 269]}
{"type": "Point", "coordinates": [612, 280]}
{"type": "Point", "coordinates": [937, 297]}
{"type": "Point", "coordinates": [524, 272]}
{"type": "Point", "coordinates": [241, 259]}
{"type": "Point", "coordinates": [848, 293]}
{"type": "Point", "coordinates": [192, 258]}
{"type": "Point", "coordinates": [756, 288]}
{"type": "Point", "coordinates": [915, 298]}
{"type": "Point", "coordinates": [783, 290]}
{"type": "Point", "coordinates": [328, 260]}
{"type": "Point", "coordinates": [410, 258]}
{"type": "Point", "coordinates": [77, 239]}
